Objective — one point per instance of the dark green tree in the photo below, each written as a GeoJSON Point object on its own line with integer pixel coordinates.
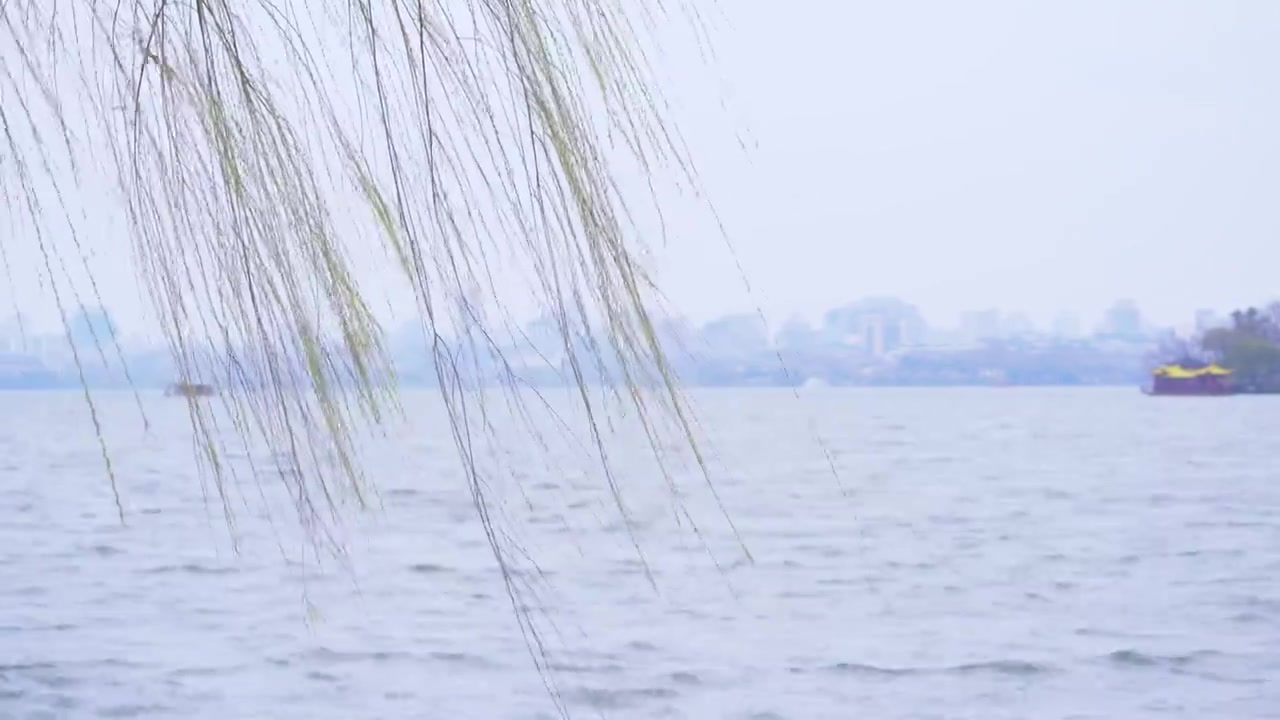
{"type": "Point", "coordinates": [1250, 349]}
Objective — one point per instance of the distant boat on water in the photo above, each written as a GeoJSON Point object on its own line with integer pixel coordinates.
{"type": "Point", "coordinates": [189, 390]}
{"type": "Point", "coordinates": [1209, 380]}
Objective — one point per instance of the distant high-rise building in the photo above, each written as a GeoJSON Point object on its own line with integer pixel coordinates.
{"type": "Point", "coordinates": [91, 326]}
{"type": "Point", "coordinates": [878, 324]}
{"type": "Point", "coordinates": [735, 333]}
{"type": "Point", "coordinates": [1124, 320]}
{"type": "Point", "coordinates": [873, 333]}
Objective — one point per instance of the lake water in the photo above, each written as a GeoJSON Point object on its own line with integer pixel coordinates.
{"type": "Point", "coordinates": [1001, 553]}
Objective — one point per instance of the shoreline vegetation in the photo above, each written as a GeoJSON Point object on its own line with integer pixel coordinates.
{"type": "Point", "coordinates": [1247, 345]}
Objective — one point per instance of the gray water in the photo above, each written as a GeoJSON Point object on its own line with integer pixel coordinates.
{"type": "Point", "coordinates": [998, 553]}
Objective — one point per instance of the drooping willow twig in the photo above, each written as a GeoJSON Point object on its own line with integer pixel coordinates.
{"type": "Point", "coordinates": [266, 151]}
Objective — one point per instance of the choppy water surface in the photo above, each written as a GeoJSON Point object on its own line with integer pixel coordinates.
{"type": "Point", "coordinates": [979, 554]}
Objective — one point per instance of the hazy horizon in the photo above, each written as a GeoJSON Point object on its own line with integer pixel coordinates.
{"type": "Point", "coordinates": [1034, 158]}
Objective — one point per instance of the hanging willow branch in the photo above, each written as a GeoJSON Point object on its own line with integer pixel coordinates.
{"type": "Point", "coordinates": [278, 160]}
{"type": "Point", "coordinates": [270, 155]}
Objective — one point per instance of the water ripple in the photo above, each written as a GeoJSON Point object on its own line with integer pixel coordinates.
{"type": "Point", "coordinates": [982, 554]}
{"type": "Point", "coordinates": [999, 667]}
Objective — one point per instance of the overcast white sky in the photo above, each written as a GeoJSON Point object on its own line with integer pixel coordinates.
{"type": "Point", "coordinates": [1024, 155]}
{"type": "Point", "coordinates": [1030, 156]}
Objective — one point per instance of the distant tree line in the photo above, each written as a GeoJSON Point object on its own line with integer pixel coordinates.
{"type": "Point", "coordinates": [1249, 347]}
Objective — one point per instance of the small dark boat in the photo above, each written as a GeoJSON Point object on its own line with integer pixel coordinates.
{"type": "Point", "coordinates": [189, 390]}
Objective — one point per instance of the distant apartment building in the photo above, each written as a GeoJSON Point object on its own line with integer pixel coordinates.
{"type": "Point", "coordinates": [877, 325]}
{"type": "Point", "coordinates": [878, 335]}
{"type": "Point", "coordinates": [874, 335]}
{"type": "Point", "coordinates": [1123, 320]}
{"type": "Point", "coordinates": [735, 334]}
{"type": "Point", "coordinates": [49, 349]}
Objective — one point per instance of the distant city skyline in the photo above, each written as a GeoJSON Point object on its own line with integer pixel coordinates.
{"type": "Point", "coordinates": [864, 317]}
{"type": "Point", "coordinates": [876, 340]}
{"type": "Point", "coordinates": [1060, 321]}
